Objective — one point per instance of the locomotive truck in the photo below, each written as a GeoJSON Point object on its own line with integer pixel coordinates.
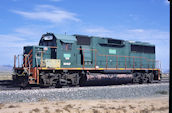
{"type": "Point", "coordinates": [75, 60]}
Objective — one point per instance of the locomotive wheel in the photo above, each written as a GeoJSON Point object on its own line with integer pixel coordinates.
{"type": "Point", "coordinates": [58, 85]}
{"type": "Point", "coordinates": [150, 77]}
{"type": "Point", "coordinates": [145, 77]}
{"type": "Point", "coordinates": [82, 80]}
{"type": "Point", "coordinates": [41, 85]}
{"type": "Point", "coordinates": [44, 80]}
{"type": "Point", "coordinates": [24, 82]}
{"type": "Point", "coordinates": [141, 78]}
{"type": "Point", "coordinates": [136, 78]}
{"type": "Point", "coordinates": [15, 80]}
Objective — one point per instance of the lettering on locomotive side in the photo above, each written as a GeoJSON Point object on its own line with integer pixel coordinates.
{"type": "Point", "coordinates": [112, 51]}
{"type": "Point", "coordinates": [67, 63]}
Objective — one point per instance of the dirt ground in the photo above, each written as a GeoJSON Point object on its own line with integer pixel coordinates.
{"type": "Point", "coordinates": [5, 75]}
{"type": "Point", "coordinates": [143, 105]}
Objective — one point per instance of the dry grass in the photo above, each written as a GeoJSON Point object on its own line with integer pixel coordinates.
{"type": "Point", "coordinates": [46, 107]}
{"type": "Point", "coordinates": [47, 111]}
{"type": "Point", "coordinates": [95, 111]}
{"type": "Point", "coordinates": [163, 108]}
{"type": "Point", "coordinates": [5, 76]}
{"type": "Point", "coordinates": [67, 107]}
{"type": "Point", "coordinates": [1, 105]}
{"type": "Point", "coordinates": [146, 110]}
{"type": "Point", "coordinates": [143, 105]}
{"type": "Point", "coordinates": [58, 111]}
{"type": "Point", "coordinates": [131, 107]}
{"type": "Point", "coordinates": [36, 110]}
{"type": "Point", "coordinates": [165, 75]}
{"type": "Point", "coordinates": [12, 106]}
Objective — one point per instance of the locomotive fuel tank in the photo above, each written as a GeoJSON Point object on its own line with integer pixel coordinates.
{"type": "Point", "coordinates": [108, 79]}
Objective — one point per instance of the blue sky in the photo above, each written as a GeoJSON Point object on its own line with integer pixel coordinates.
{"type": "Point", "coordinates": [22, 22]}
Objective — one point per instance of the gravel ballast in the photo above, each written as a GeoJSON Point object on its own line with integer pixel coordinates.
{"type": "Point", "coordinates": [77, 93]}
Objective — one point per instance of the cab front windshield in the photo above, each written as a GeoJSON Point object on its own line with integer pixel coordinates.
{"type": "Point", "coordinates": [48, 41]}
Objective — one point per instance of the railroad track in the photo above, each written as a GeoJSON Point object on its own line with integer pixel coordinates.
{"type": "Point", "coordinates": [8, 84]}
{"type": "Point", "coordinates": [163, 80]}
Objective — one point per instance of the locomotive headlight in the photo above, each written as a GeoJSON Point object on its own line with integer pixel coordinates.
{"type": "Point", "coordinates": [48, 38]}
{"type": "Point", "coordinates": [45, 48]}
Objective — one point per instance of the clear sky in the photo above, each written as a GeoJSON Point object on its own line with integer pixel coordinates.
{"type": "Point", "coordinates": [22, 22]}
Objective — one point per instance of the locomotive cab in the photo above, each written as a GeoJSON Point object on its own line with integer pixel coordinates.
{"type": "Point", "coordinates": [50, 41]}
{"type": "Point", "coordinates": [62, 47]}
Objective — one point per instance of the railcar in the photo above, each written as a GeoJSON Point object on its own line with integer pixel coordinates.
{"type": "Point", "coordinates": [77, 60]}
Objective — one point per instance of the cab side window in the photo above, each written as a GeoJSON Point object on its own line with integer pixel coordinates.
{"type": "Point", "coordinates": [66, 46]}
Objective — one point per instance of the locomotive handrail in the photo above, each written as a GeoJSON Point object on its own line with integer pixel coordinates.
{"type": "Point", "coordinates": [53, 47]}
{"type": "Point", "coordinates": [41, 60]}
{"type": "Point", "coordinates": [142, 63]}
{"type": "Point", "coordinates": [17, 59]}
{"type": "Point", "coordinates": [25, 58]}
{"type": "Point", "coordinates": [83, 55]}
{"type": "Point", "coordinates": [142, 59]}
{"type": "Point", "coordinates": [152, 60]}
{"type": "Point", "coordinates": [27, 61]}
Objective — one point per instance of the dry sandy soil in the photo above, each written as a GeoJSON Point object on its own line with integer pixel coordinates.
{"type": "Point", "coordinates": [143, 105]}
{"type": "Point", "coordinates": [5, 75]}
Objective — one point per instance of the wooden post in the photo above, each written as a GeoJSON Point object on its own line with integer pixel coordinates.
{"type": "Point", "coordinates": [14, 61]}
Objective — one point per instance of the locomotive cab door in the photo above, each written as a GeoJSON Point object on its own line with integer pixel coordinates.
{"type": "Point", "coordinates": [53, 53]}
{"type": "Point", "coordinates": [68, 53]}
{"type": "Point", "coordinates": [86, 56]}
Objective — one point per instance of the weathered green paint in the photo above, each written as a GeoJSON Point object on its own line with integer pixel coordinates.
{"type": "Point", "coordinates": [36, 52]}
{"type": "Point", "coordinates": [94, 54]}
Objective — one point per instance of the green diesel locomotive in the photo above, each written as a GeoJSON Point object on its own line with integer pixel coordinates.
{"type": "Point", "coordinates": [76, 60]}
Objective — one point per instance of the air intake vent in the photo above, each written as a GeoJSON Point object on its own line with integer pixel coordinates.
{"type": "Point", "coordinates": [83, 40]}
{"type": "Point", "coordinates": [114, 41]}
